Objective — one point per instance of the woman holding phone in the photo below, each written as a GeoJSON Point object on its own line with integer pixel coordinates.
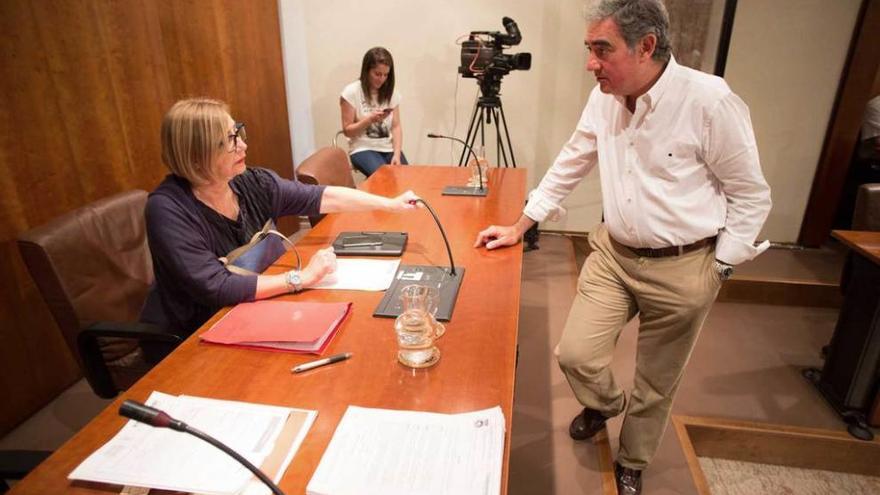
{"type": "Point", "coordinates": [370, 110]}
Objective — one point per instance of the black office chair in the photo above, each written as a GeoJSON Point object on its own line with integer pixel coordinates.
{"type": "Point", "coordinates": [15, 464]}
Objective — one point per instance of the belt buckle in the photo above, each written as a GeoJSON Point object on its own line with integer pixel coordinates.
{"type": "Point", "coordinates": [680, 250]}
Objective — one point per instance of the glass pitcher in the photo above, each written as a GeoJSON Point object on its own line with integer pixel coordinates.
{"type": "Point", "coordinates": [416, 327]}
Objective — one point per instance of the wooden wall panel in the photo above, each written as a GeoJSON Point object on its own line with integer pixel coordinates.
{"type": "Point", "coordinates": [84, 87]}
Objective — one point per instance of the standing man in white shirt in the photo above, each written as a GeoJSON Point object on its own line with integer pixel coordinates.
{"type": "Point", "coordinates": [683, 201]}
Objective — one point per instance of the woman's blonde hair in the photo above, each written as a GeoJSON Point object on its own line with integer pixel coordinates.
{"type": "Point", "coordinates": [193, 132]}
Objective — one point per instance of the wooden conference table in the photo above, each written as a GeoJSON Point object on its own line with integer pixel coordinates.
{"type": "Point", "coordinates": [476, 370]}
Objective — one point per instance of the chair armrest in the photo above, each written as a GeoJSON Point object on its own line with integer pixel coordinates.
{"type": "Point", "coordinates": [129, 330]}
{"type": "Point", "coordinates": [16, 464]}
{"type": "Point", "coordinates": [155, 341]}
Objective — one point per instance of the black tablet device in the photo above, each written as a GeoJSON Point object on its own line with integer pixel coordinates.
{"type": "Point", "coordinates": [370, 243]}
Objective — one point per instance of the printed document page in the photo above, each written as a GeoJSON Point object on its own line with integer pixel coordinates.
{"type": "Point", "coordinates": [140, 455]}
{"type": "Point", "coordinates": [385, 452]}
{"type": "Point", "coordinates": [360, 274]}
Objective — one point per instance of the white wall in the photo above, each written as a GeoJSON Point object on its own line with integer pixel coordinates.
{"type": "Point", "coordinates": [785, 60]}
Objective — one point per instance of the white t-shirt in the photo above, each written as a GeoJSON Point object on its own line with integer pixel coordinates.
{"type": "Point", "coordinates": [377, 136]}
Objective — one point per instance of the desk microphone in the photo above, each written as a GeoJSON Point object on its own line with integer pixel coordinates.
{"type": "Point", "coordinates": [442, 233]}
{"type": "Point", "coordinates": [457, 190]}
{"type": "Point", "coordinates": [446, 283]}
{"type": "Point", "coordinates": [159, 419]}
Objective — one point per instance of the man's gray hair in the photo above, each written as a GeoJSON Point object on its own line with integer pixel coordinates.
{"type": "Point", "coordinates": [636, 19]}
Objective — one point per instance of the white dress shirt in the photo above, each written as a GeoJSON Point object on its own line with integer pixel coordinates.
{"type": "Point", "coordinates": [684, 166]}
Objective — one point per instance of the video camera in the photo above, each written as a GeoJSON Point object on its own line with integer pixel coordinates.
{"type": "Point", "coordinates": [482, 55]}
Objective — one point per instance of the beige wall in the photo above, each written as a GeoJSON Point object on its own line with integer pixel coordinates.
{"type": "Point", "coordinates": [542, 105]}
{"type": "Point", "coordinates": [785, 60]}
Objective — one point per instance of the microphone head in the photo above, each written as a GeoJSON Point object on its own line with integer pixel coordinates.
{"type": "Point", "coordinates": [432, 135]}
{"type": "Point", "coordinates": [144, 414]}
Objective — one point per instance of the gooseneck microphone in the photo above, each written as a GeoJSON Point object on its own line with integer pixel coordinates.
{"type": "Point", "coordinates": [470, 150]}
{"type": "Point", "coordinates": [466, 146]}
{"type": "Point", "coordinates": [159, 419]}
{"type": "Point", "coordinates": [442, 233]}
{"type": "Point", "coordinates": [447, 281]}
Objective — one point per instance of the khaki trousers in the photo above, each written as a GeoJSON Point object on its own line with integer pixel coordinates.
{"type": "Point", "coordinates": [672, 297]}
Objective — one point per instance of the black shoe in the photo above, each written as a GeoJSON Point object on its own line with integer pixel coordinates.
{"type": "Point", "coordinates": [586, 424]}
{"type": "Point", "coordinates": [629, 481]}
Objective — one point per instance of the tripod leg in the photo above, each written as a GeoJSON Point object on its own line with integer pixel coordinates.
{"type": "Point", "coordinates": [471, 141]}
{"type": "Point", "coordinates": [501, 153]}
{"type": "Point", "coordinates": [483, 125]}
{"type": "Point", "coordinates": [507, 134]}
{"type": "Point", "coordinates": [462, 159]}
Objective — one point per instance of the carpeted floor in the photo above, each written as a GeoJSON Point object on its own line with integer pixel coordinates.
{"type": "Point", "coordinates": [728, 477]}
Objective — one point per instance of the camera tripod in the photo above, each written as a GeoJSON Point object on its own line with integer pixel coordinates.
{"type": "Point", "coordinates": [487, 110]}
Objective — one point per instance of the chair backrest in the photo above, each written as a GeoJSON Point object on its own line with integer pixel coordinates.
{"type": "Point", "coordinates": [327, 166]}
{"type": "Point", "coordinates": [92, 264]}
{"type": "Point", "coordinates": [866, 214]}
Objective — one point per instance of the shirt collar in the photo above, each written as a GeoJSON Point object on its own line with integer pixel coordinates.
{"type": "Point", "coordinates": [659, 88]}
{"type": "Point", "coordinates": [655, 92]}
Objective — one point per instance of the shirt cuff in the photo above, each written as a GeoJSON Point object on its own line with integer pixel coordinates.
{"type": "Point", "coordinates": [539, 208]}
{"type": "Point", "coordinates": [733, 251]}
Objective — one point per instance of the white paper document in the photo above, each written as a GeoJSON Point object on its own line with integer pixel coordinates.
{"type": "Point", "coordinates": [141, 455]}
{"type": "Point", "coordinates": [360, 274]}
{"type": "Point", "coordinates": [385, 452]}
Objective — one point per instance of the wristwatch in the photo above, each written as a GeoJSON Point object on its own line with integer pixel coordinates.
{"type": "Point", "coordinates": [723, 270]}
{"type": "Point", "coordinates": [293, 280]}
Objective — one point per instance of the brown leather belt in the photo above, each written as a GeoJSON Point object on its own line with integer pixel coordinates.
{"type": "Point", "coordinates": [667, 251]}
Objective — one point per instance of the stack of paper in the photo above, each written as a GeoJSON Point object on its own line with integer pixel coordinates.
{"type": "Point", "coordinates": [282, 325]}
{"type": "Point", "coordinates": [360, 274]}
{"type": "Point", "coordinates": [384, 452]}
{"type": "Point", "coordinates": [140, 455]}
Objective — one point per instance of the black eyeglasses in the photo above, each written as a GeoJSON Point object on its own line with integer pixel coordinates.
{"type": "Point", "coordinates": [238, 134]}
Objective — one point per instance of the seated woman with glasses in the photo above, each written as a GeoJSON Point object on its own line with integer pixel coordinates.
{"type": "Point", "coordinates": [371, 114]}
{"type": "Point", "coordinates": [212, 203]}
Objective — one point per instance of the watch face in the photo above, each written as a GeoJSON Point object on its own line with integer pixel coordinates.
{"type": "Point", "coordinates": [294, 280]}
{"type": "Point", "coordinates": [724, 271]}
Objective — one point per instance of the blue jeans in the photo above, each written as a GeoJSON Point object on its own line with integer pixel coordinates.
{"type": "Point", "coordinates": [369, 161]}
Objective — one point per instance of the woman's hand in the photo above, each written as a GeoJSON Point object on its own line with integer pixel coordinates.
{"type": "Point", "coordinates": [395, 160]}
{"type": "Point", "coordinates": [322, 264]}
{"type": "Point", "coordinates": [406, 201]}
{"type": "Point", "coordinates": [377, 116]}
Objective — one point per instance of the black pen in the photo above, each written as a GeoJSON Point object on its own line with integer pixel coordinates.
{"type": "Point", "coordinates": [321, 362]}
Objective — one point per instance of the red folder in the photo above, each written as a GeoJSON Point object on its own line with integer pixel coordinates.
{"type": "Point", "coordinates": [280, 325]}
